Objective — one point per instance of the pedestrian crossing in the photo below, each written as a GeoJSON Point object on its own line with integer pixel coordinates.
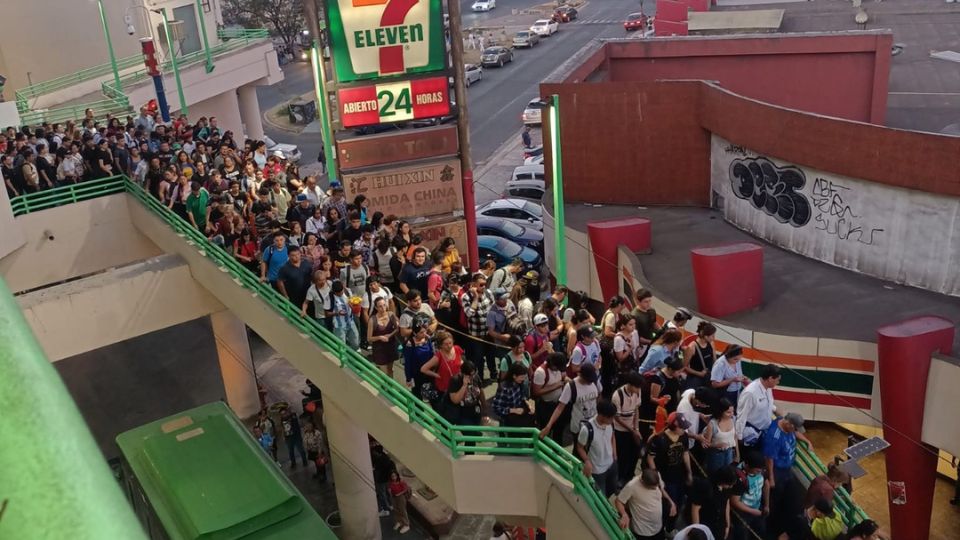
{"type": "Point", "coordinates": [597, 21]}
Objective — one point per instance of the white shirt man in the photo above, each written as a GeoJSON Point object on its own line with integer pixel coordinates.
{"type": "Point", "coordinates": [756, 408]}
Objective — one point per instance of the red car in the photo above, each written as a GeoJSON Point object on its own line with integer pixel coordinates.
{"type": "Point", "coordinates": [635, 21]}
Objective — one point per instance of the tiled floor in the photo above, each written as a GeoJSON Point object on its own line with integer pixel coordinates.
{"type": "Point", "coordinates": [870, 492]}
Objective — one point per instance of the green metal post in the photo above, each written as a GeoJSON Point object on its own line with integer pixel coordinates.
{"type": "Point", "coordinates": [206, 42]}
{"type": "Point", "coordinates": [173, 62]}
{"type": "Point", "coordinates": [106, 35]}
{"type": "Point", "coordinates": [320, 86]}
{"type": "Point", "coordinates": [560, 248]}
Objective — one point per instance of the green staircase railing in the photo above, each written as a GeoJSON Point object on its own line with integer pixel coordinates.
{"type": "Point", "coordinates": [508, 441]}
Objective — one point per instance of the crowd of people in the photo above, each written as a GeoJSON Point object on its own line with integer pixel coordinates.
{"type": "Point", "coordinates": [666, 425]}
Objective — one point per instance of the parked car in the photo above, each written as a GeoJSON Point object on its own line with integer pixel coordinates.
{"type": "Point", "coordinates": [520, 211]}
{"type": "Point", "coordinates": [531, 113]}
{"type": "Point", "coordinates": [484, 5]}
{"type": "Point", "coordinates": [533, 160]}
{"type": "Point", "coordinates": [528, 172]}
{"type": "Point", "coordinates": [532, 152]}
{"type": "Point", "coordinates": [290, 151]}
{"type": "Point", "coordinates": [526, 189]}
{"type": "Point", "coordinates": [635, 21]}
{"type": "Point", "coordinates": [496, 56]}
{"type": "Point", "coordinates": [437, 120]}
{"type": "Point", "coordinates": [545, 27]}
{"type": "Point", "coordinates": [377, 128]}
{"type": "Point", "coordinates": [503, 251]}
{"type": "Point", "coordinates": [564, 14]}
{"type": "Point", "coordinates": [526, 38]}
{"type": "Point", "coordinates": [472, 73]}
{"type": "Point", "coordinates": [518, 234]}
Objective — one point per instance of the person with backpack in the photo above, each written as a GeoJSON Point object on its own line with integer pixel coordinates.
{"type": "Point", "coordinates": [750, 497]}
{"type": "Point", "coordinates": [435, 280]}
{"type": "Point", "coordinates": [586, 351]}
{"type": "Point", "coordinates": [625, 344]}
{"type": "Point", "coordinates": [464, 402]}
{"type": "Point", "coordinates": [380, 263]}
{"type": "Point", "coordinates": [273, 259]}
{"type": "Point", "coordinates": [417, 351]}
{"type": "Point", "coordinates": [597, 448]}
{"type": "Point", "coordinates": [626, 426]}
{"type": "Point", "coordinates": [319, 296]}
{"type": "Point", "coordinates": [608, 332]}
{"type": "Point", "coordinates": [342, 317]}
{"type": "Point", "coordinates": [449, 312]}
{"type": "Point", "coordinates": [445, 363]}
{"type": "Point", "coordinates": [510, 404]}
{"type": "Point", "coordinates": [503, 278]}
{"type": "Point", "coordinates": [580, 395]}
{"type": "Point", "coordinates": [515, 355]}
{"type": "Point", "coordinates": [537, 341]}
{"type": "Point", "coordinates": [658, 354]}
{"type": "Point", "coordinates": [710, 499]}
{"type": "Point", "coordinates": [415, 310]}
{"type": "Point", "coordinates": [548, 381]}
{"type": "Point", "coordinates": [660, 388]}
{"type": "Point", "coordinates": [641, 505]}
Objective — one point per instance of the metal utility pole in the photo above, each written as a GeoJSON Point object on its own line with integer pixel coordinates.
{"type": "Point", "coordinates": [311, 15]}
{"type": "Point", "coordinates": [463, 133]}
{"type": "Point", "coordinates": [173, 60]}
{"type": "Point", "coordinates": [206, 41]}
{"type": "Point", "coordinates": [113, 57]}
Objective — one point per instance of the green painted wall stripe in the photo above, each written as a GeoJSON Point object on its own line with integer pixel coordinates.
{"type": "Point", "coordinates": [810, 379]}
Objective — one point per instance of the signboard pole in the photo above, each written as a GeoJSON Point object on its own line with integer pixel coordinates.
{"type": "Point", "coordinates": [312, 17]}
{"type": "Point", "coordinates": [463, 129]}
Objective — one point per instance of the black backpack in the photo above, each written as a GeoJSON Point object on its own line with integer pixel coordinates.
{"type": "Point", "coordinates": [589, 426]}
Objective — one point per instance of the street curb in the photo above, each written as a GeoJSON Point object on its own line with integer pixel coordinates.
{"type": "Point", "coordinates": [280, 127]}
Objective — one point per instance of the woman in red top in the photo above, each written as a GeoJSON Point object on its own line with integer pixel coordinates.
{"type": "Point", "coordinates": [445, 363]}
{"type": "Point", "coordinates": [245, 250]}
{"type": "Point", "coordinates": [400, 492]}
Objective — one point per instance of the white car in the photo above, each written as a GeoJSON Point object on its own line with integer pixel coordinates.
{"type": "Point", "coordinates": [290, 151]}
{"type": "Point", "coordinates": [472, 73]}
{"type": "Point", "coordinates": [484, 5]}
{"type": "Point", "coordinates": [532, 112]}
{"type": "Point", "coordinates": [545, 27]}
{"type": "Point", "coordinates": [528, 172]}
{"type": "Point", "coordinates": [534, 160]}
{"type": "Point", "coordinates": [520, 211]}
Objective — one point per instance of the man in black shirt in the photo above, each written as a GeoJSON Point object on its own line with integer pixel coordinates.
{"type": "Point", "coordinates": [11, 176]}
{"type": "Point", "coordinates": [414, 273]}
{"type": "Point", "coordinates": [294, 277]}
{"type": "Point", "coordinates": [669, 455]}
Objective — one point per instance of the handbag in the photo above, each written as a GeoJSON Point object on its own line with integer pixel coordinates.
{"type": "Point", "coordinates": [429, 392]}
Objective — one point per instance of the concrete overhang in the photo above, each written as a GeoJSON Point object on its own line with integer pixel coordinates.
{"type": "Point", "coordinates": [109, 307]}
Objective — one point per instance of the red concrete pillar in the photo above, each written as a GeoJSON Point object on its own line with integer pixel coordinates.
{"type": "Point", "coordinates": [605, 237]}
{"type": "Point", "coordinates": [728, 278]}
{"type": "Point", "coordinates": [904, 350]}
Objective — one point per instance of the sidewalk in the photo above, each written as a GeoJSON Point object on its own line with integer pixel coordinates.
{"type": "Point", "coordinates": [491, 175]}
{"type": "Point", "coordinates": [283, 382]}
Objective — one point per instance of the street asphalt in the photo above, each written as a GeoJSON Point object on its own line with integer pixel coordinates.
{"type": "Point", "coordinates": [496, 102]}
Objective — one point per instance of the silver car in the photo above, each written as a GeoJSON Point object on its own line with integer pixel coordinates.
{"type": "Point", "coordinates": [472, 73]}
{"type": "Point", "coordinates": [526, 38]}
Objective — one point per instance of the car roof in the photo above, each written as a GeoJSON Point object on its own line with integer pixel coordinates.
{"type": "Point", "coordinates": [536, 101]}
{"type": "Point", "coordinates": [528, 169]}
{"type": "Point", "coordinates": [544, 21]}
{"type": "Point", "coordinates": [635, 15]}
{"type": "Point", "coordinates": [507, 203]}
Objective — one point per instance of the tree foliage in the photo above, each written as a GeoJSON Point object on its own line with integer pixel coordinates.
{"type": "Point", "coordinates": [284, 18]}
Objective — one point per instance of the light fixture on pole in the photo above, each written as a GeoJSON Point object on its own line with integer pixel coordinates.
{"type": "Point", "coordinates": [106, 36]}
{"type": "Point", "coordinates": [173, 59]}
{"type": "Point", "coordinates": [556, 169]}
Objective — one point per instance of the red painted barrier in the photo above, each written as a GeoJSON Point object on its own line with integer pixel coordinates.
{"type": "Point", "coordinates": [728, 278]}
{"type": "Point", "coordinates": [669, 28]}
{"type": "Point", "coordinates": [606, 236]}
{"type": "Point", "coordinates": [671, 10]}
{"type": "Point", "coordinates": [903, 362]}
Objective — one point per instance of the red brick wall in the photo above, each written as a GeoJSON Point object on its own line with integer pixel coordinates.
{"type": "Point", "coordinates": [626, 143]}
{"type": "Point", "coordinates": [844, 76]}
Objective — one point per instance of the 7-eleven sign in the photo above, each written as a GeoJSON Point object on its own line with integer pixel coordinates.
{"type": "Point", "coordinates": [379, 38]}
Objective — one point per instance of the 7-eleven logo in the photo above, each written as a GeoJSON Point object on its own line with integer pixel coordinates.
{"type": "Point", "coordinates": [386, 36]}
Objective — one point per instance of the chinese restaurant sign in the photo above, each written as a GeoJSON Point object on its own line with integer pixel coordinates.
{"type": "Point", "coordinates": [425, 189]}
{"type": "Point", "coordinates": [382, 38]}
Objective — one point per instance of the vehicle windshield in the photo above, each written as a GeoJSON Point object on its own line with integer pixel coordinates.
{"type": "Point", "coordinates": [522, 34]}
{"type": "Point", "coordinates": [541, 22]}
{"type": "Point", "coordinates": [270, 142]}
{"type": "Point", "coordinates": [634, 16]}
{"type": "Point", "coordinates": [511, 228]}
{"type": "Point", "coordinates": [491, 50]}
{"type": "Point", "coordinates": [508, 248]}
{"type": "Point", "coordinates": [533, 209]}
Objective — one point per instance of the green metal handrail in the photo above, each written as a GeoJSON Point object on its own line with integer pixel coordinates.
{"type": "Point", "coordinates": [522, 441]}
{"type": "Point", "coordinates": [70, 79]}
{"type": "Point", "coordinates": [56, 483]}
{"type": "Point", "coordinates": [509, 441]}
{"type": "Point", "coordinates": [248, 33]}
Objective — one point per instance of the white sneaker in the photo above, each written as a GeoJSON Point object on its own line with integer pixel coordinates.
{"type": "Point", "coordinates": [405, 529]}
{"type": "Point", "coordinates": [384, 513]}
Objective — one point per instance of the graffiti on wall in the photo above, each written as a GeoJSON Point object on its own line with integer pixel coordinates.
{"type": "Point", "coordinates": [778, 191]}
{"type": "Point", "coordinates": [772, 189]}
{"type": "Point", "coordinates": [836, 217]}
